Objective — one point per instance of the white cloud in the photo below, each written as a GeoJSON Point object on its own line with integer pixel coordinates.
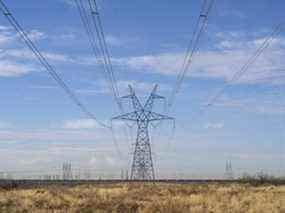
{"type": "Point", "coordinates": [121, 41]}
{"type": "Point", "coordinates": [19, 62]}
{"type": "Point", "coordinates": [220, 64]}
{"type": "Point", "coordinates": [252, 106]}
{"type": "Point", "coordinates": [5, 125]}
{"type": "Point", "coordinates": [255, 156]}
{"type": "Point", "coordinates": [167, 63]}
{"type": "Point", "coordinates": [41, 158]}
{"type": "Point", "coordinates": [36, 35]}
{"type": "Point", "coordinates": [211, 125]}
{"type": "Point", "coordinates": [43, 87]}
{"type": "Point", "coordinates": [59, 57]}
{"type": "Point", "coordinates": [90, 92]}
{"type": "Point", "coordinates": [4, 28]}
{"type": "Point", "coordinates": [114, 41]}
{"type": "Point", "coordinates": [81, 124]}
{"type": "Point", "coordinates": [64, 38]}
{"type": "Point", "coordinates": [52, 135]}
{"type": "Point", "coordinates": [5, 39]}
{"type": "Point", "coordinates": [8, 35]}
{"type": "Point", "coordinates": [69, 2]}
{"type": "Point", "coordinates": [141, 87]}
{"type": "Point", "coordinates": [14, 62]}
{"type": "Point", "coordinates": [232, 50]}
{"type": "Point", "coordinates": [8, 69]}
{"type": "Point", "coordinates": [20, 54]}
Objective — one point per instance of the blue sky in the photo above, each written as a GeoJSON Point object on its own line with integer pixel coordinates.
{"type": "Point", "coordinates": [40, 128]}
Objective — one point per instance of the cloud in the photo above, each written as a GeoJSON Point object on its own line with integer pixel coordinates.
{"type": "Point", "coordinates": [141, 87]}
{"type": "Point", "coordinates": [13, 61]}
{"type": "Point", "coordinates": [81, 124]}
{"type": "Point", "coordinates": [9, 69]}
{"type": "Point", "coordinates": [255, 156]}
{"type": "Point", "coordinates": [220, 62]}
{"type": "Point", "coordinates": [20, 62]}
{"type": "Point", "coordinates": [88, 124]}
{"type": "Point", "coordinates": [27, 159]}
{"type": "Point", "coordinates": [166, 63]}
{"type": "Point", "coordinates": [117, 41]}
{"type": "Point", "coordinates": [67, 134]}
{"type": "Point", "coordinates": [5, 125]}
{"type": "Point", "coordinates": [114, 41]}
{"type": "Point", "coordinates": [250, 105]}
{"type": "Point", "coordinates": [8, 35]}
{"type": "Point", "coordinates": [5, 39]}
{"type": "Point", "coordinates": [91, 92]}
{"type": "Point", "coordinates": [218, 125]}
{"type": "Point", "coordinates": [36, 35]}
{"type": "Point", "coordinates": [4, 28]}
{"type": "Point", "coordinates": [50, 87]}
{"type": "Point", "coordinates": [21, 54]}
{"type": "Point", "coordinates": [103, 159]}
{"type": "Point", "coordinates": [70, 3]}
{"type": "Point", "coordinates": [231, 50]}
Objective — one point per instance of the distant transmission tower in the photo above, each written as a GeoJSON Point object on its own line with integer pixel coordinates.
{"type": "Point", "coordinates": [142, 165]}
{"type": "Point", "coordinates": [229, 175]}
{"type": "Point", "coordinates": [66, 171]}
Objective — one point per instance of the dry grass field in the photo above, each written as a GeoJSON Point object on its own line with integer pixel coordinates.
{"type": "Point", "coordinates": [144, 198]}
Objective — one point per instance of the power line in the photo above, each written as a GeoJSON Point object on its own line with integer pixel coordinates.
{"type": "Point", "coordinates": [102, 41]}
{"type": "Point", "coordinates": [100, 50]}
{"type": "Point", "coordinates": [92, 23]}
{"type": "Point", "coordinates": [276, 31]}
{"type": "Point", "coordinates": [85, 18]}
{"type": "Point", "coordinates": [107, 60]}
{"type": "Point", "coordinates": [48, 67]}
{"type": "Point", "coordinates": [200, 27]}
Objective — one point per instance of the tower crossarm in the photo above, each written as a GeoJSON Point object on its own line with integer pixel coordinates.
{"type": "Point", "coordinates": [153, 116]}
{"type": "Point", "coordinates": [150, 101]}
{"type": "Point", "coordinates": [135, 101]}
{"type": "Point", "coordinates": [132, 116]}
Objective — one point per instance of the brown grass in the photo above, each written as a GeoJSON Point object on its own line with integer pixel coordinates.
{"type": "Point", "coordinates": [144, 198]}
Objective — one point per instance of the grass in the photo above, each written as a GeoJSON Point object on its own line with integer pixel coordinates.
{"type": "Point", "coordinates": [145, 198]}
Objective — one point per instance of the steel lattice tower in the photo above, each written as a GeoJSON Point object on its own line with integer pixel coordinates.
{"type": "Point", "coordinates": [229, 171]}
{"type": "Point", "coordinates": [142, 165]}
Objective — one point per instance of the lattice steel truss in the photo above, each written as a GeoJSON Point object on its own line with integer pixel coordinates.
{"type": "Point", "coordinates": [142, 165]}
{"type": "Point", "coordinates": [229, 174]}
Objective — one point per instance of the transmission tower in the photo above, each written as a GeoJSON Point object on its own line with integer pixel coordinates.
{"type": "Point", "coordinates": [229, 171]}
{"type": "Point", "coordinates": [142, 165]}
{"type": "Point", "coordinates": [66, 171]}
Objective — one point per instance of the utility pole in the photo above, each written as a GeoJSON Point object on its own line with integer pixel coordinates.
{"type": "Point", "coordinates": [142, 165]}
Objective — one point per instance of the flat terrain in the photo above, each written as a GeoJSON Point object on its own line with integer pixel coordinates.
{"type": "Point", "coordinates": [140, 197]}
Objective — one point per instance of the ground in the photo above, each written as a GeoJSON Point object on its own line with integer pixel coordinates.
{"type": "Point", "coordinates": [144, 198]}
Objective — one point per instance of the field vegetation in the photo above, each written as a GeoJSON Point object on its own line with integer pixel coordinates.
{"type": "Point", "coordinates": [146, 198]}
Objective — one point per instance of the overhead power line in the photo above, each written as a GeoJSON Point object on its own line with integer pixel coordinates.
{"type": "Point", "coordinates": [48, 67]}
{"type": "Point", "coordinates": [276, 31]}
{"type": "Point", "coordinates": [91, 20]}
{"type": "Point", "coordinates": [90, 17]}
{"type": "Point", "coordinates": [199, 29]}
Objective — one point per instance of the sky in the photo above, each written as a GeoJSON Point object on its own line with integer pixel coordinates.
{"type": "Point", "coordinates": [40, 128]}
